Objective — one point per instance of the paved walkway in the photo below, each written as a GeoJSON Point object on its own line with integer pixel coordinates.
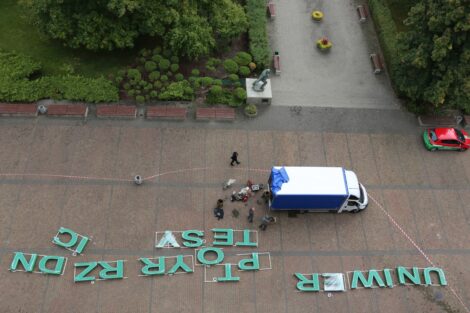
{"type": "Point", "coordinates": [340, 78]}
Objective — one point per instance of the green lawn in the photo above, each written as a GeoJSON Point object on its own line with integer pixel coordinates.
{"type": "Point", "coordinates": [400, 10]}
{"type": "Point", "coordinates": [18, 34]}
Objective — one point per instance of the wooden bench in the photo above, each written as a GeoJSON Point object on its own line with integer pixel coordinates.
{"type": "Point", "coordinates": [271, 9]}
{"type": "Point", "coordinates": [68, 110]}
{"type": "Point", "coordinates": [437, 121]}
{"type": "Point", "coordinates": [166, 112]}
{"type": "Point", "coordinates": [362, 13]}
{"type": "Point", "coordinates": [277, 63]}
{"type": "Point", "coordinates": [205, 113]}
{"type": "Point", "coordinates": [376, 61]}
{"type": "Point", "coordinates": [116, 111]}
{"type": "Point", "coordinates": [227, 114]}
{"type": "Point", "coordinates": [18, 109]}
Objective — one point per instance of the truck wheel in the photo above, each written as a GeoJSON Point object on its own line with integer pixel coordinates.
{"type": "Point", "coordinates": [355, 211]}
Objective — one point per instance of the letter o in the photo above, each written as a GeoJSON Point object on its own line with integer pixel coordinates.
{"type": "Point", "coordinates": [201, 256]}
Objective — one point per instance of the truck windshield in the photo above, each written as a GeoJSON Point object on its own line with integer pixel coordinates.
{"type": "Point", "coordinates": [361, 199]}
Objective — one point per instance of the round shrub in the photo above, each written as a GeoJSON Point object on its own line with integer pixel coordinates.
{"type": "Point", "coordinates": [213, 62]}
{"type": "Point", "coordinates": [197, 84]}
{"type": "Point", "coordinates": [164, 78]}
{"type": "Point", "coordinates": [154, 76]}
{"type": "Point", "coordinates": [145, 52]}
{"type": "Point", "coordinates": [206, 81]}
{"type": "Point", "coordinates": [174, 67]}
{"type": "Point", "coordinates": [164, 64]}
{"type": "Point", "coordinates": [217, 82]}
{"type": "Point", "coordinates": [179, 77]}
{"type": "Point", "coordinates": [237, 84]}
{"type": "Point", "coordinates": [142, 60]}
{"type": "Point", "coordinates": [230, 66]}
{"type": "Point", "coordinates": [153, 94]}
{"type": "Point", "coordinates": [157, 50]}
{"type": "Point", "coordinates": [233, 77]}
{"type": "Point", "coordinates": [143, 83]}
{"type": "Point", "coordinates": [118, 79]}
{"type": "Point", "coordinates": [127, 86]}
{"type": "Point", "coordinates": [240, 93]}
{"type": "Point", "coordinates": [244, 71]}
{"type": "Point", "coordinates": [195, 72]}
{"type": "Point", "coordinates": [210, 68]}
{"type": "Point", "coordinates": [252, 66]}
{"type": "Point", "coordinates": [251, 110]}
{"type": "Point", "coordinates": [150, 66]}
{"type": "Point", "coordinates": [174, 59]}
{"type": "Point", "coordinates": [243, 58]}
{"type": "Point", "coordinates": [131, 92]}
{"type": "Point", "coordinates": [134, 74]}
{"type": "Point", "coordinates": [216, 91]}
{"type": "Point", "coordinates": [166, 53]}
{"type": "Point", "coordinates": [169, 74]}
{"type": "Point", "coordinates": [157, 58]}
{"type": "Point", "coordinates": [140, 99]}
{"type": "Point", "coordinates": [158, 84]}
{"type": "Point", "coordinates": [121, 73]}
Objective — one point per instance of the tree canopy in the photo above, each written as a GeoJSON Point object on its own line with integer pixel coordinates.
{"type": "Point", "coordinates": [434, 55]}
{"type": "Point", "coordinates": [189, 28]}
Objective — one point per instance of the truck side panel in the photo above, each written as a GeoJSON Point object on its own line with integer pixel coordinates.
{"type": "Point", "coordinates": [307, 202]}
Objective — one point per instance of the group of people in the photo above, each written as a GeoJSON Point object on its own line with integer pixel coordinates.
{"type": "Point", "coordinates": [219, 211]}
{"type": "Point", "coordinates": [265, 221]}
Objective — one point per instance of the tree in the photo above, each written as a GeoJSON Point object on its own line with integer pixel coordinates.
{"type": "Point", "coordinates": [188, 27]}
{"type": "Point", "coordinates": [191, 36]}
{"type": "Point", "coordinates": [434, 55]}
{"type": "Point", "coordinates": [229, 20]}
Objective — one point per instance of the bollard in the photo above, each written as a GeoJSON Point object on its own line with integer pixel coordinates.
{"type": "Point", "coordinates": [138, 180]}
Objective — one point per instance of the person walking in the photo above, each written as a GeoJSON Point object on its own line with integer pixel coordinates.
{"type": "Point", "coordinates": [251, 214]}
{"type": "Point", "coordinates": [234, 158]}
{"type": "Point", "coordinates": [265, 221]}
{"type": "Point", "coordinates": [219, 211]}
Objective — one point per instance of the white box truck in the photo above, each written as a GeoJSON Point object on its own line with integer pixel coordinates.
{"type": "Point", "coordinates": [315, 189]}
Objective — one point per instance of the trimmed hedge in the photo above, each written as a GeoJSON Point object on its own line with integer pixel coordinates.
{"type": "Point", "coordinates": [387, 33]}
{"type": "Point", "coordinates": [257, 34]}
{"type": "Point", "coordinates": [16, 85]}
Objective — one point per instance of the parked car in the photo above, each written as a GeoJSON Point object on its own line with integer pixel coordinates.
{"type": "Point", "coordinates": [446, 139]}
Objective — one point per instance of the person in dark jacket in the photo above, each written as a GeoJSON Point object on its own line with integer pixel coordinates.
{"type": "Point", "coordinates": [234, 158]}
{"type": "Point", "coordinates": [251, 214]}
{"type": "Point", "coordinates": [219, 211]}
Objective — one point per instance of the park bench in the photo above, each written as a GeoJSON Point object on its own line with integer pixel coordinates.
{"type": "Point", "coordinates": [166, 112]}
{"type": "Point", "coordinates": [18, 109]}
{"type": "Point", "coordinates": [205, 113]}
{"type": "Point", "coordinates": [362, 13]}
{"type": "Point", "coordinates": [437, 121]}
{"type": "Point", "coordinates": [68, 110]}
{"type": "Point", "coordinates": [227, 114]}
{"type": "Point", "coordinates": [271, 10]}
{"type": "Point", "coordinates": [376, 63]}
{"type": "Point", "coordinates": [277, 63]}
{"type": "Point", "coordinates": [116, 111]}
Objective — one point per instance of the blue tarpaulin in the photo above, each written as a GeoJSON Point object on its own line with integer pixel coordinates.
{"type": "Point", "coordinates": [278, 177]}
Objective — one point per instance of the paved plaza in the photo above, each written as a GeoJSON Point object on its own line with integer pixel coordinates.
{"type": "Point", "coordinates": [427, 194]}
{"type": "Point", "coordinates": [341, 77]}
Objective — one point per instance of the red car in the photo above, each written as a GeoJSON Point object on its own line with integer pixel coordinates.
{"type": "Point", "coordinates": [446, 139]}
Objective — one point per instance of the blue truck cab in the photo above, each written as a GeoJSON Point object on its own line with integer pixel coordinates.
{"type": "Point", "coordinates": [315, 189]}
